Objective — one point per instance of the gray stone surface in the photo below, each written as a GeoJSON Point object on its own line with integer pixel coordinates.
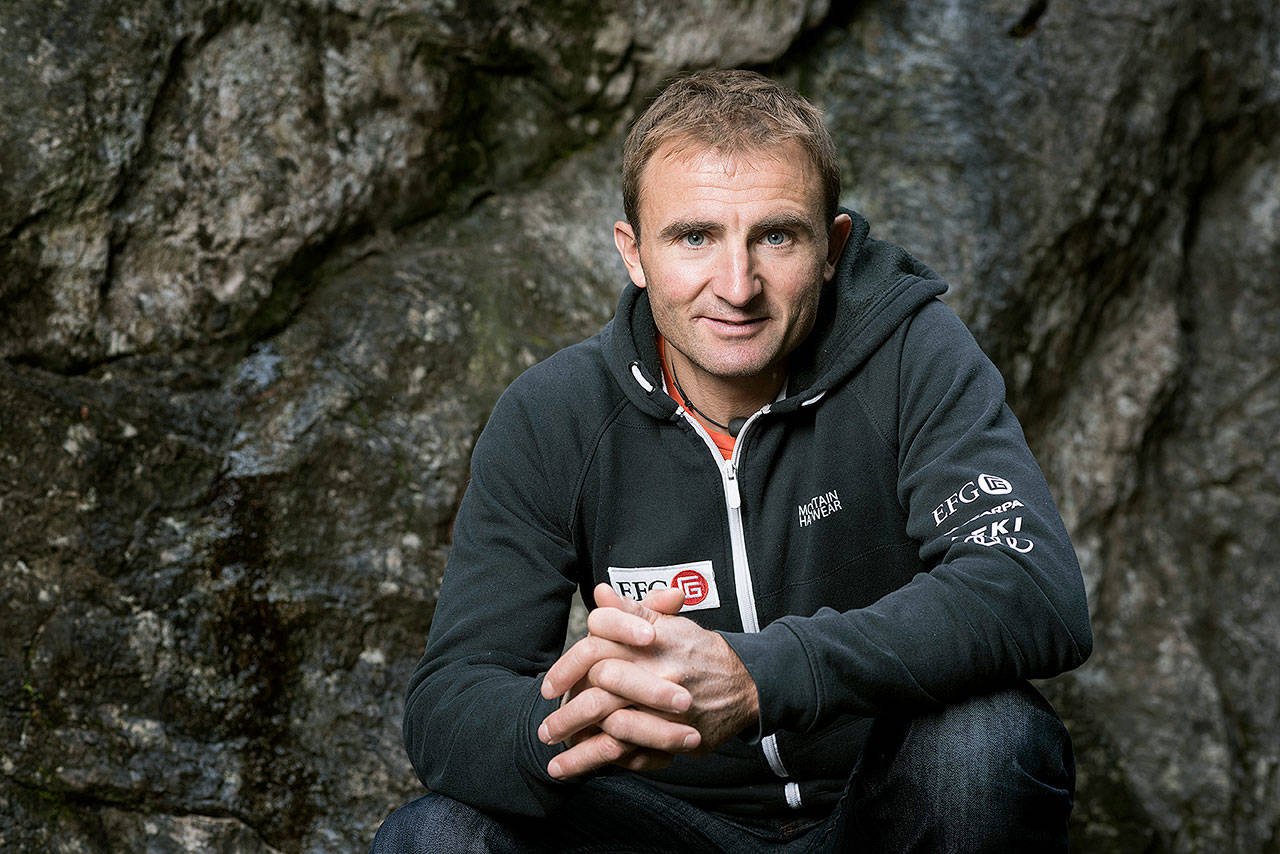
{"type": "Point", "coordinates": [264, 268]}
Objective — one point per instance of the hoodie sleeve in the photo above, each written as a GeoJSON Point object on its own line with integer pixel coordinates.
{"type": "Point", "coordinates": [1003, 597]}
{"type": "Point", "coordinates": [473, 706]}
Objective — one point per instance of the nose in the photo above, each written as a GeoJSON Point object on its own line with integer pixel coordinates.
{"type": "Point", "coordinates": [736, 280]}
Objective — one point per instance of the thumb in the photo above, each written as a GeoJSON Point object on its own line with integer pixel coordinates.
{"type": "Point", "coordinates": [665, 600]}
{"type": "Point", "coordinates": [607, 597]}
{"type": "Point", "coordinates": [660, 601]}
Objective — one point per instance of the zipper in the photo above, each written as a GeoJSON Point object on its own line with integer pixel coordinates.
{"type": "Point", "coordinates": [742, 569]}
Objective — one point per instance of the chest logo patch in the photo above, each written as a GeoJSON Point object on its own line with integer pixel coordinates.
{"type": "Point", "coordinates": [818, 507]}
{"type": "Point", "coordinates": [696, 579]}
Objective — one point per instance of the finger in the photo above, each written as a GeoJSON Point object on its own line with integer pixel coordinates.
{"type": "Point", "coordinates": [645, 760]}
{"type": "Point", "coordinates": [595, 752]}
{"type": "Point", "coordinates": [573, 665]}
{"type": "Point", "coordinates": [647, 730]}
{"type": "Point", "coordinates": [607, 597]}
{"type": "Point", "coordinates": [584, 711]}
{"type": "Point", "coordinates": [639, 685]}
{"type": "Point", "coordinates": [617, 625]}
{"type": "Point", "coordinates": [664, 600]}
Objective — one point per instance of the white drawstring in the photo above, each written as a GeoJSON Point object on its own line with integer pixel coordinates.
{"type": "Point", "coordinates": [817, 397]}
{"type": "Point", "coordinates": [639, 375]}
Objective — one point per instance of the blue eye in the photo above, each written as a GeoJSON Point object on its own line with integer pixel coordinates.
{"type": "Point", "coordinates": [775, 238]}
{"type": "Point", "coordinates": [695, 238]}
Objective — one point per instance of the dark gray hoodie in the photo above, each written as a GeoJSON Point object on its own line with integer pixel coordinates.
{"type": "Point", "coordinates": [881, 542]}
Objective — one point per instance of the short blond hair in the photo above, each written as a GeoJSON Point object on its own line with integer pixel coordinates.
{"type": "Point", "coordinates": [730, 111]}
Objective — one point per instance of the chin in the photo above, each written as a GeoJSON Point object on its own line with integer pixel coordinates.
{"type": "Point", "coordinates": [746, 360]}
{"type": "Point", "coordinates": [735, 369]}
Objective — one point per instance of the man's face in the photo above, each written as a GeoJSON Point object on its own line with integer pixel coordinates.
{"type": "Point", "coordinates": [733, 251]}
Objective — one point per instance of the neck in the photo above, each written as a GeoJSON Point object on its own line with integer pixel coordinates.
{"type": "Point", "coordinates": [722, 400]}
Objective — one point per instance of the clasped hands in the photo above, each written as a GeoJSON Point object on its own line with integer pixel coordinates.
{"type": "Point", "coordinates": [642, 687]}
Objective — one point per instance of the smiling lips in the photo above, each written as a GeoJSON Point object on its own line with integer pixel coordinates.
{"type": "Point", "coordinates": [730, 328]}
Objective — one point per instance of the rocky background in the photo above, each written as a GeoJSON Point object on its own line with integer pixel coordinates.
{"type": "Point", "coordinates": [264, 266]}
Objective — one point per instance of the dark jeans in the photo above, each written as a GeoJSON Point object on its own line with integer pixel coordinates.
{"type": "Point", "coordinates": [993, 773]}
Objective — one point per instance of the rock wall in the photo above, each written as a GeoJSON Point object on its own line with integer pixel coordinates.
{"type": "Point", "coordinates": [265, 266]}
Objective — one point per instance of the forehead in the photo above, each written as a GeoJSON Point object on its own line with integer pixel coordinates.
{"type": "Point", "coordinates": [683, 174]}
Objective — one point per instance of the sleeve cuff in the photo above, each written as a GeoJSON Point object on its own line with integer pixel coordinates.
{"type": "Point", "coordinates": [540, 754]}
{"type": "Point", "coordinates": [778, 664]}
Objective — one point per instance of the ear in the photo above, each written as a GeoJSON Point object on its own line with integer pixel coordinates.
{"type": "Point", "coordinates": [629, 248]}
{"type": "Point", "coordinates": [837, 236]}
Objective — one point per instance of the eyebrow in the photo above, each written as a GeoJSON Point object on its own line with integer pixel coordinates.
{"type": "Point", "coordinates": [687, 226]}
{"type": "Point", "coordinates": [785, 221]}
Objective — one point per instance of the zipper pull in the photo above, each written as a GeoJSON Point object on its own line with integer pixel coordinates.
{"type": "Point", "coordinates": [731, 485]}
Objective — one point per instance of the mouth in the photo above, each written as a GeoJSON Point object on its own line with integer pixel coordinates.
{"type": "Point", "coordinates": [733, 327]}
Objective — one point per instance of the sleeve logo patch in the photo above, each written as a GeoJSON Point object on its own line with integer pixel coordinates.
{"type": "Point", "coordinates": [697, 580]}
{"type": "Point", "coordinates": [983, 484]}
{"type": "Point", "coordinates": [1001, 533]}
{"type": "Point", "coordinates": [993, 485]}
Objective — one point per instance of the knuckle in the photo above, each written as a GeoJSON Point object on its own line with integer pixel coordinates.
{"type": "Point", "coordinates": [610, 748]}
{"type": "Point", "coordinates": [596, 702]}
{"type": "Point", "coordinates": [605, 672]}
{"type": "Point", "coordinates": [622, 724]}
{"type": "Point", "coordinates": [671, 671]}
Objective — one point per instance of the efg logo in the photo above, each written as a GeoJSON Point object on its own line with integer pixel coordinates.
{"type": "Point", "coordinates": [969, 493]}
{"type": "Point", "coordinates": [693, 584]}
{"type": "Point", "coordinates": [993, 485]}
{"type": "Point", "coordinates": [696, 578]}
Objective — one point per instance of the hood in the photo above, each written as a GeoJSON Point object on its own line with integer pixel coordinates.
{"type": "Point", "coordinates": [876, 287]}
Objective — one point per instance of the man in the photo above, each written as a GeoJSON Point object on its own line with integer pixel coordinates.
{"type": "Point", "coordinates": [822, 560]}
